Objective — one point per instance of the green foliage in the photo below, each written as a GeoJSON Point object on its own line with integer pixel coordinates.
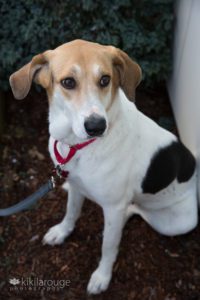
{"type": "Point", "coordinates": [141, 28]}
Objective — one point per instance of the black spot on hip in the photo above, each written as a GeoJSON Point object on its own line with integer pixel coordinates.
{"type": "Point", "coordinates": [173, 161]}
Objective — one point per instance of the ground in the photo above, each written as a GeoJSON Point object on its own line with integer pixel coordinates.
{"type": "Point", "coordinates": [149, 265]}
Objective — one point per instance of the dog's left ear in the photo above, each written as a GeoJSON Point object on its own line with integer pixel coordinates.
{"type": "Point", "coordinates": [36, 70]}
{"type": "Point", "coordinates": [130, 73]}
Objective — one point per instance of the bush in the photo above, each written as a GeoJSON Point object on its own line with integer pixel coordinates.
{"type": "Point", "coordinates": [141, 28]}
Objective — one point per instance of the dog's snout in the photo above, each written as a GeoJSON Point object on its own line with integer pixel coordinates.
{"type": "Point", "coordinates": [95, 125]}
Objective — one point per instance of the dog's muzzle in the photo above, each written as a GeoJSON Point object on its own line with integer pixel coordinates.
{"type": "Point", "coordinates": [95, 125]}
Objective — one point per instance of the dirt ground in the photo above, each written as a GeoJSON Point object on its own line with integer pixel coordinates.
{"type": "Point", "coordinates": [149, 266]}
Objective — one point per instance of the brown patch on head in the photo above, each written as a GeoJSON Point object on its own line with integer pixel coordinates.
{"type": "Point", "coordinates": [123, 70]}
{"type": "Point", "coordinates": [85, 62]}
{"type": "Point", "coordinates": [78, 59]}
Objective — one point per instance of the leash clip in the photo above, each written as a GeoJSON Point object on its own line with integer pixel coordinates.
{"type": "Point", "coordinates": [58, 171]}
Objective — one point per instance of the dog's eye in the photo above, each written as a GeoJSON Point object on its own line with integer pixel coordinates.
{"type": "Point", "coordinates": [68, 83]}
{"type": "Point", "coordinates": [104, 81]}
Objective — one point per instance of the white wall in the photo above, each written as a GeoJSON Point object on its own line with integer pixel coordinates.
{"type": "Point", "coordinates": [184, 85]}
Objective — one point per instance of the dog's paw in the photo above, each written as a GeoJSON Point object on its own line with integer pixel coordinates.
{"type": "Point", "coordinates": [56, 235]}
{"type": "Point", "coordinates": [98, 282]}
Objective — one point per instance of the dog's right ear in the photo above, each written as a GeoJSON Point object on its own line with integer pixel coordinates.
{"type": "Point", "coordinates": [37, 70]}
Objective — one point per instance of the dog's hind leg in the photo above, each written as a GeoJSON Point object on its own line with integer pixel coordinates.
{"type": "Point", "coordinates": [176, 219]}
{"type": "Point", "coordinates": [56, 234]}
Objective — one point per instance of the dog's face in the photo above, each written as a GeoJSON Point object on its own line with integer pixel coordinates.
{"type": "Point", "coordinates": [81, 79]}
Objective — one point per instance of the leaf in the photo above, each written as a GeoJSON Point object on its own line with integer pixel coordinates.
{"type": "Point", "coordinates": [34, 153]}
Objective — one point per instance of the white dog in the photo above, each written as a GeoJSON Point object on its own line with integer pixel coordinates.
{"type": "Point", "coordinates": [122, 160]}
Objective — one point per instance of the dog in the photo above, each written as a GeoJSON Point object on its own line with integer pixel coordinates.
{"type": "Point", "coordinates": [121, 159]}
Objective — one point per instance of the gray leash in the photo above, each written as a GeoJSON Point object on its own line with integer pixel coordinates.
{"type": "Point", "coordinates": [44, 189]}
{"type": "Point", "coordinates": [30, 200]}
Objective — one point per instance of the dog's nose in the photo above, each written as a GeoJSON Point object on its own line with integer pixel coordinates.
{"type": "Point", "coordinates": [95, 125]}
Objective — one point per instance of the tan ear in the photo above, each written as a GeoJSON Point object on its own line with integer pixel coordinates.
{"type": "Point", "coordinates": [36, 70]}
{"type": "Point", "coordinates": [130, 72]}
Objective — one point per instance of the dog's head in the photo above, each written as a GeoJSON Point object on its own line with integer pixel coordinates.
{"type": "Point", "coordinates": [81, 79]}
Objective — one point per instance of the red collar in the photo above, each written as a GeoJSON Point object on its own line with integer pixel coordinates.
{"type": "Point", "coordinates": [73, 149]}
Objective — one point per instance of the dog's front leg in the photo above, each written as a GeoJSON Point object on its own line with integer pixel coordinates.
{"type": "Point", "coordinates": [56, 234]}
{"type": "Point", "coordinates": [114, 220]}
